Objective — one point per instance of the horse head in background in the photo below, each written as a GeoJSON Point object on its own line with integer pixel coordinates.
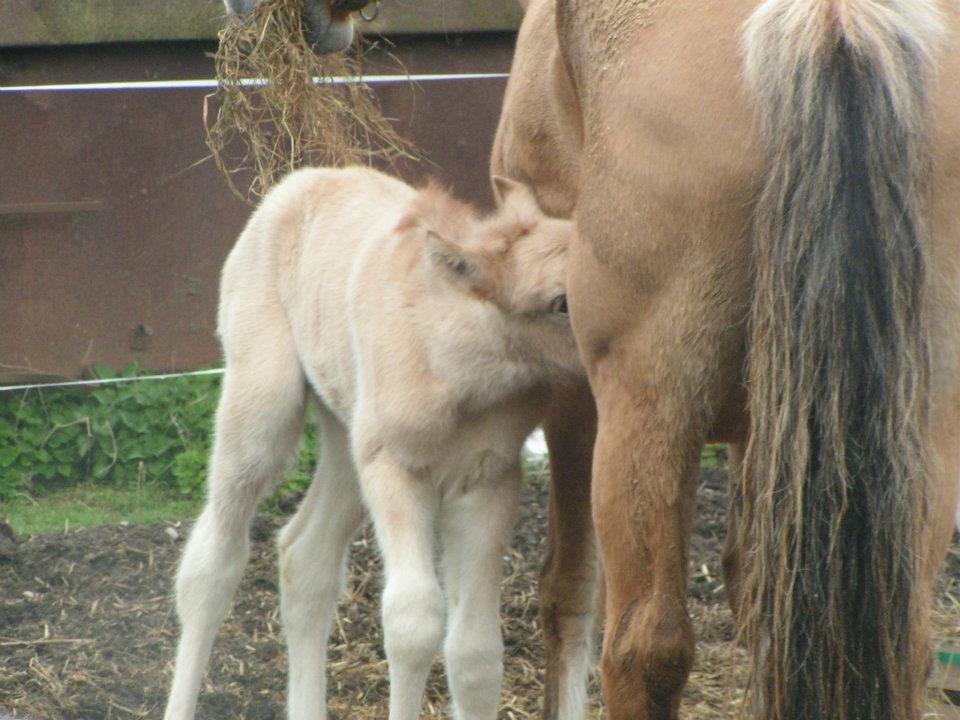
{"type": "Point", "coordinates": [327, 24]}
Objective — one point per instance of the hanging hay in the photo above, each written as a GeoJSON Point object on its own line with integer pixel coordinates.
{"type": "Point", "coordinates": [280, 105]}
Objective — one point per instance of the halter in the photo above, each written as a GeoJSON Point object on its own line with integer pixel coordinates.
{"type": "Point", "coordinates": [349, 5]}
{"type": "Point", "coordinates": [358, 6]}
{"type": "Point", "coordinates": [372, 16]}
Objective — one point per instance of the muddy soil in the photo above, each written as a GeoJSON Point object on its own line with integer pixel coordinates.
{"type": "Point", "coordinates": [87, 628]}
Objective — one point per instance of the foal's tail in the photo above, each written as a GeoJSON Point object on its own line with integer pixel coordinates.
{"type": "Point", "coordinates": [834, 473]}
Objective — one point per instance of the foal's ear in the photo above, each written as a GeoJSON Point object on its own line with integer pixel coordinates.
{"type": "Point", "coordinates": [451, 255]}
{"type": "Point", "coordinates": [446, 226]}
{"type": "Point", "coordinates": [509, 191]}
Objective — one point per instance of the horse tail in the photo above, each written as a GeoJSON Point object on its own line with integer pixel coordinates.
{"type": "Point", "coordinates": [834, 481]}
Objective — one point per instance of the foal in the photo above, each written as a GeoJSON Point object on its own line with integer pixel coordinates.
{"type": "Point", "coordinates": [430, 338]}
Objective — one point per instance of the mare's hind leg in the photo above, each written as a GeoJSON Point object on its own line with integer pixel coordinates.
{"type": "Point", "coordinates": [643, 494]}
{"type": "Point", "coordinates": [661, 355]}
{"type": "Point", "coordinates": [313, 553]}
{"type": "Point", "coordinates": [258, 425]}
{"type": "Point", "coordinates": [731, 558]}
{"type": "Point", "coordinates": [570, 574]}
{"type": "Point", "coordinates": [475, 527]}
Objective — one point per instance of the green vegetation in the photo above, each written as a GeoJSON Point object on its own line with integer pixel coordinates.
{"type": "Point", "coordinates": [121, 446]}
{"type": "Point", "coordinates": [134, 451]}
{"type": "Point", "coordinates": [713, 456]}
{"type": "Point", "coordinates": [90, 505]}
{"type": "Point", "coordinates": [121, 435]}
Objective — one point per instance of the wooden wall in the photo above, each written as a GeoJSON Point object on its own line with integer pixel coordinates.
{"type": "Point", "coordinates": [113, 227]}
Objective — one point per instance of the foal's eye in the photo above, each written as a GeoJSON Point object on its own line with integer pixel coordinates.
{"type": "Point", "coordinates": [559, 305]}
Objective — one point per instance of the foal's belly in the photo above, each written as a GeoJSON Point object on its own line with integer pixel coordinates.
{"type": "Point", "coordinates": [333, 386]}
{"type": "Point", "coordinates": [480, 450]}
{"type": "Point", "coordinates": [457, 473]}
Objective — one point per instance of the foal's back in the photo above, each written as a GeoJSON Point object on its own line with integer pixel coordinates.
{"type": "Point", "coordinates": [299, 255]}
{"type": "Point", "coordinates": [412, 316]}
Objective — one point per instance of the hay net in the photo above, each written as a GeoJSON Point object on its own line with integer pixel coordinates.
{"type": "Point", "coordinates": [280, 106]}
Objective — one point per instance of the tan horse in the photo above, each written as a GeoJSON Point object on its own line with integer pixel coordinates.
{"type": "Point", "coordinates": [766, 199]}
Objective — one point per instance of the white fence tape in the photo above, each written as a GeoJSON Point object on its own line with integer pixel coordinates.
{"type": "Point", "coordinates": [109, 381]}
{"type": "Point", "coordinates": [535, 446]}
{"type": "Point", "coordinates": [207, 85]}
{"type": "Point", "coordinates": [212, 84]}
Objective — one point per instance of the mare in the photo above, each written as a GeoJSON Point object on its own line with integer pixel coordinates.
{"type": "Point", "coordinates": [767, 255]}
{"type": "Point", "coordinates": [429, 338]}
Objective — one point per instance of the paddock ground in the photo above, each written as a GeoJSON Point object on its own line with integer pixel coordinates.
{"type": "Point", "coordinates": [87, 629]}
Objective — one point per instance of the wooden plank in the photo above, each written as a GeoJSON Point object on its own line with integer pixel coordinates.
{"type": "Point", "coordinates": [50, 208]}
{"type": "Point", "coordinates": [137, 278]}
{"type": "Point", "coordinates": [55, 22]}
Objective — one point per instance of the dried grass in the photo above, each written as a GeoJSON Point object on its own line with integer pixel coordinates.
{"type": "Point", "coordinates": [280, 106]}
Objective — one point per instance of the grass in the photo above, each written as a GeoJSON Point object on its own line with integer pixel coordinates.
{"type": "Point", "coordinates": [89, 505]}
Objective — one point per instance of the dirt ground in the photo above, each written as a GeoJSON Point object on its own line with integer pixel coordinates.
{"type": "Point", "coordinates": [87, 628]}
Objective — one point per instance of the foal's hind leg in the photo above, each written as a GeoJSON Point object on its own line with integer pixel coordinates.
{"type": "Point", "coordinates": [259, 421]}
{"type": "Point", "coordinates": [475, 528]}
{"type": "Point", "coordinates": [313, 552]}
{"type": "Point", "coordinates": [570, 575]}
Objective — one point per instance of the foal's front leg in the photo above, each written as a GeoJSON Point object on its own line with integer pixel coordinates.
{"type": "Point", "coordinates": [403, 508]}
{"type": "Point", "coordinates": [475, 528]}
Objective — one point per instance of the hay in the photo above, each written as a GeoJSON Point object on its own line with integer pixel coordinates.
{"type": "Point", "coordinates": [278, 107]}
